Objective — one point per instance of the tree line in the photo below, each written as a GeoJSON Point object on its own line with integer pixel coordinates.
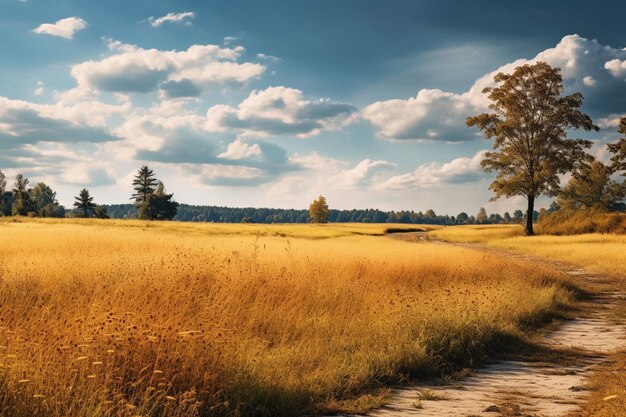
{"type": "Point", "coordinates": [151, 201]}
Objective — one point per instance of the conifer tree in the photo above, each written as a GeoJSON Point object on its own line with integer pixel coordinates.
{"type": "Point", "coordinates": [84, 202]}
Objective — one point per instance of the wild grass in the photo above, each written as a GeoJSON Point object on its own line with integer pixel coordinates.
{"type": "Point", "coordinates": [604, 253]}
{"type": "Point", "coordinates": [596, 252]}
{"type": "Point", "coordinates": [565, 222]}
{"type": "Point", "coordinates": [134, 318]}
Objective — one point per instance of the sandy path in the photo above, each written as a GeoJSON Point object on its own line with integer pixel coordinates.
{"type": "Point", "coordinates": [519, 387]}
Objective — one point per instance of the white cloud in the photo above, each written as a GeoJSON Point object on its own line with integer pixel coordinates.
{"type": "Point", "coordinates": [586, 66]}
{"type": "Point", "coordinates": [616, 67]}
{"type": "Point", "coordinates": [434, 175]}
{"type": "Point", "coordinates": [240, 150]}
{"type": "Point", "coordinates": [229, 39]}
{"type": "Point", "coordinates": [589, 81]}
{"type": "Point", "coordinates": [279, 110]}
{"type": "Point", "coordinates": [39, 89]}
{"type": "Point", "coordinates": [366, 172]}
{"type": "Point", "coordinates": [173, 18]}
{"type": "Point", "coordinates": [267, 57]}
{"type": "Point", "coordinates": [134, 69]}
{"type": "Point", "coordinates": [431, 115]}
{"type": "Point", "coordinates": [24, 123]}
{"type": "Point", "coordinates": [64, 28]}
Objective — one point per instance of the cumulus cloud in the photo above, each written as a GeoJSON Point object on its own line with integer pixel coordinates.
{"type": "Point", "coordinates": [595, 70]}
{"type": "Point", "coordinates": [279, 111]}
{"type": "Point", "coordinates": [132, 69]}
{"type": "Point", "coordinates": [24, 123]}
{"type": "Point", "coordinates": [434, 174]}
{"type": "Point", "coordinates": [431, 115]}
{"type": "Point", "coordinates": [240, 150]}
{"type": "Point", "coordinates": [364, 173]}
{"type": "Point", "coordinates": [172, 18]}
{"type": "Point", "coordinates": [64, 28]}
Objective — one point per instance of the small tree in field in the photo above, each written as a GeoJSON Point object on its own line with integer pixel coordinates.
{"type": "Point", "coordinates": [529, 124]}
{"type": "Point", "coordinates": [84, 203]}
{"type": "Point", "coordinates": [318, 210]}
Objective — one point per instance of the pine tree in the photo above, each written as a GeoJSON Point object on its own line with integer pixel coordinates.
{"type": "Point", "coordinates": [144, 185]}
{"type": "Point", "coordinates": [84, 203]}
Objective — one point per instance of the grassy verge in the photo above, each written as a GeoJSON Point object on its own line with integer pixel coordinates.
{"type": "Point", "coordinates": [604, 253]}
{"type": "Point", "coordinates": [128, 318]}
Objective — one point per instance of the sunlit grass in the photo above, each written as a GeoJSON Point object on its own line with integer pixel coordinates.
{"type": "Point", "coordinates": [598, 252]}
{"type": "Point", "coordinates": [133, 318]}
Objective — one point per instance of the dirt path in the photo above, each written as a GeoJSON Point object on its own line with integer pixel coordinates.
{"type": "Point", "coordinates": [551, 386]}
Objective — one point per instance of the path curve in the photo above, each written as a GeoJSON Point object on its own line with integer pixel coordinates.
{"type": "Point", "coordinates": [545, 388]}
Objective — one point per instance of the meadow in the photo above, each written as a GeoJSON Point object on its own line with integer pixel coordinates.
{"type": "Point", "coordinates": [130, 318]}
{"type": "Point", "coordinates": [602, 253]}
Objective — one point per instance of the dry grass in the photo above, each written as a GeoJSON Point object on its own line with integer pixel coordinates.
{"type": "Point", "coordinates": [604, 253]}
{"type": "Point", "coordinates": [564, 222]}
{"type": "Point", "coordinates": [133, 318]}
{"type": "Point", "coordinates": [596, 252]}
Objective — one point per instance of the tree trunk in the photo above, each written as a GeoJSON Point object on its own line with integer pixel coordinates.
{"type": "Point", "coordinates": [529, 215]}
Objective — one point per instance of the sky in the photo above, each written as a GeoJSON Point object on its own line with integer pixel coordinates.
{"type": "Point", "coordinates": [273, 103]}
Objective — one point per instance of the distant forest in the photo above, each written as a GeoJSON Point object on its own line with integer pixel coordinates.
{"type": "Point", "coordinates": [216, 214]}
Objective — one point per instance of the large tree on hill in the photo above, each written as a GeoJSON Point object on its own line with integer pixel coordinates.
{"type": "Point", "coordinates": [529, 125]}
{"type": "Point", "coordinates": [318, 210]}
{"type": "Point", "coordinates": [144, 184]}
{"type": "Point", "coordinates": [619, 149]}
{"type": "Point", "coordinates": [84, 202]}
{"type": "Point", "coordinates": [21, 198]}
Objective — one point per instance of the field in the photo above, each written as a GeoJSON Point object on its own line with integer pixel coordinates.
{"type": "Point", "coordinates": [603, 253]}
{"type": "Point", "coordinates": [597, 252]}
{"type": "Point", "coordinates": [128, 318]}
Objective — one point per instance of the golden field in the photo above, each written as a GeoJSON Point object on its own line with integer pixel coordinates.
{"type": "Point", "coordinates": [603, 253]}
{"type": "Point", "coordinates": [128, 318]}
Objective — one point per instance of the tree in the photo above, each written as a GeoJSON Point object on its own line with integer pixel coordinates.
{"type": "Point", "coordinates": [3, 183]}
{"type": "Point", "coordinates": [591, 187]}
{"type": "Point", "coordinates": [101, 212]}
{"type": "Point", "coordinates": [144, 185]}
{"type": "Point", "coordinates": [21, 198]}
{"type": "Point", "coordinates": [482, 217]}
{"type": "Point", "coordinates": [529, 124]}
{"type": "Point", "coordinates": [84, 202]}
{"type": "Point", "coordinates": [44, 201]}
{"type": "Point", "coordinates": [6, 197]}
{"type": "Point", "coordinates": [318, 210]}
{"type": "Point", "coordinates": [462, 218]}
{"type": "Point", "coordinates": [619, 149]}
{"type": "Point", "coordinates": [162, 207]}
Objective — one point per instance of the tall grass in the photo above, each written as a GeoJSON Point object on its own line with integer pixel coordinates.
{"type": "Point", "coordinates": [162, 320]}
{"type": "Point", "coordinates": [568, 222]}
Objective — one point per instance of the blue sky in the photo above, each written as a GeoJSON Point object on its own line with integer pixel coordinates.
{"type": "Point", "coordinates": [272, 103]}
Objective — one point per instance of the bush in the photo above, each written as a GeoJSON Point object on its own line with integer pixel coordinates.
{"type": "Point", "coordinates": [574, 222]}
